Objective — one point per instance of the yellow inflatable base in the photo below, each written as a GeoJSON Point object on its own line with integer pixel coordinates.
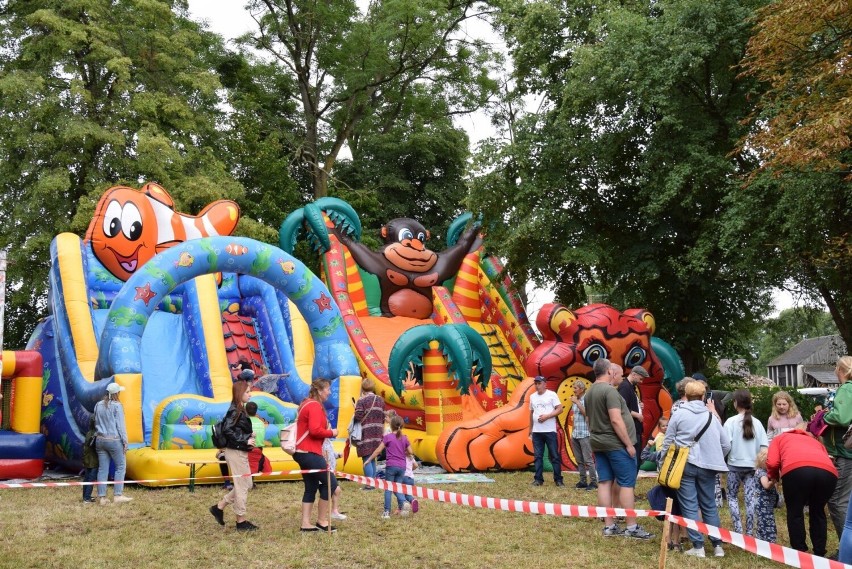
{"type": "Point", "coordinates": [156, 467]}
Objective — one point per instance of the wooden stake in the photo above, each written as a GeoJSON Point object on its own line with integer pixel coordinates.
{"type": "Point", "coordinates": [664, 540]}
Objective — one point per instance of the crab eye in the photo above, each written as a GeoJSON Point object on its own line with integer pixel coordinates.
{"type": "Point", "coordinates": [112, 219]}
{"type": "Point", "coordinates": [593, 353]}
{"type": "Point", "coordinates": [635, 356]}
{"type": "Point", "coordinates": [131, 221]}
{"type": "Point", "coordinates": [405, 234]}
{"type": "Point", "coordinates": [421, 237]}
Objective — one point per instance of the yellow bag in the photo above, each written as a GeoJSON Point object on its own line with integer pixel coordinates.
{"type": "Point", "coordinates": [671, 471]}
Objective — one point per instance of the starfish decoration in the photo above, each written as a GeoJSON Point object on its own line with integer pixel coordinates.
{"type": "Point", "coordinates": [323, 302]}
{"type": "Point", "coordinates": [144, 293]}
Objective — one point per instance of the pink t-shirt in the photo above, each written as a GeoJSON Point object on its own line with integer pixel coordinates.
{"type": "Point", "coordinates": [395, 449]}
{"type": "Point", "coordinates": [775, 426]}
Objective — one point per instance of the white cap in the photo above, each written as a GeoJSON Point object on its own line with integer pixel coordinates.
{"type": "Point", "coordinates": [114, 388]}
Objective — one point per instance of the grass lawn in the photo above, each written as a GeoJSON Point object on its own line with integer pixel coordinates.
{"type": "Point", "coordinates": [50, 527]}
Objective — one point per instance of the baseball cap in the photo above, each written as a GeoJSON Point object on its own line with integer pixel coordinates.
{"type": "Point", "coordinates": [539, 378]}
{"type": "Point", "coordinates": [640, 371]}
{"type": "Point", "coordinates": [114, 388]}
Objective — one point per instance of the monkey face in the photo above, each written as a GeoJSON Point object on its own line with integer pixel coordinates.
{"type": "Point", "coordinates": [406, 246]}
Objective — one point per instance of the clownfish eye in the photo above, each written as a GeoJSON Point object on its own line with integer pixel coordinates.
{"type": "Point", "coordinates": [131, 221]}
{"type": "Point", "coordinates": [404, 234]}
{"type": "Point", "coordinates": [593, 353]}
{"type": "Point", "coordinates": [112, 219]}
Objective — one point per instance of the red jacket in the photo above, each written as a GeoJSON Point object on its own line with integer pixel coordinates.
{"type": "Point", "coordinates": [312, 419]}
{"type": "Point", "coordinates": [795, 449]}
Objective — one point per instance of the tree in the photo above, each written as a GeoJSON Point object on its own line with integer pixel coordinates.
{"type": "Point", "coordinates": [792, 219]}
{"type": "Point", "coordinates": [619, 181]}
{"type": "Point", "coordinates": [348, 66]}
{"type": "Point", "coordinates": [789, 328]}
{"type": "Point", "coordinates": [801, 51]}
{"type": "Point", "coordinates": [96, 93]}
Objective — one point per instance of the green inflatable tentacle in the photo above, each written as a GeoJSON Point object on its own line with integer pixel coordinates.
{"type": "Point", "coordinates": [310, 219]}
{"type": "Point", "coordinates": [288, 233]}
{"type": "Point", "coordinates": [480, 354]}
{"type": "Point", "coordinates": [409, 348]}
{"type": "Point", "coordinates": [671, 362]}
{"type": "Point", "coordinates": [457, 227]}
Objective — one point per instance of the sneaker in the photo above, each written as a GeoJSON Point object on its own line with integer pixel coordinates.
{"type": "Point", "coordinates": [338, 516]}
{"type": "Point", "coordinates": [537, 483]}
{"type": "Point", "coordinates": [246, 525]}
{"type": "Point", "coordinates": [331, 529]}
{"type": "Point", "coordinates": [218, 514]}
{"type": "Point", "coordinates": [386, 515]}
{"type": "Point", "coordinates": [718, 551]}
{"type": "Point", "coordinates": [637, 533]}
{"type": "Point", "coordinates": [415, 506]}
{"type": "Point", "coordinates": [406, 507]}
{"type": "Point", "coordinates": [90, 501]}
{"type": "Point", "coordinates": [592, 487]}
{"type": "Point", "coordinates": [367, 488]}
{"type": "Point", "coordinates": [695, 552]}
{"type": "Point", "coordinates": [103, 501]}
{"type": "Point", "coordinates": [309, 529]}
{"type": "Point", "coordinates": [121, 498]}
{"type": "Point", "coordinates": [581, 485]}
{"type": "Point", "coordinates": [560, 483]}
{"type": "Point", "coordinates": [610, 531]}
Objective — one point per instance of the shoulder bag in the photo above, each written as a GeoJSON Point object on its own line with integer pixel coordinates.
{"type": "Point", "coordinates": [671, 471]}
{"type": "Point", "coordinates": [355, 428]}
{"type": "Point", "coordinates": [290, 438]}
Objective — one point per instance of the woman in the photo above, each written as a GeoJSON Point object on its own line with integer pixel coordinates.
{"type": "Point", "coordinates": [312, 429]}
{"type": "Point", "coordinates": [839, 419]}
{"type": "Point", "coordinates": [706, 458]}
{"type": "Point", "coordinates": [111, 443]}
{"type": "Point", "coordinates": [370, 412]}
{"type": "Point", "coordinates": [240, 436]}
{"type": "Point", "coordinates": [747, 438]}
{"type": "Point", "coordinates": [808, 478]}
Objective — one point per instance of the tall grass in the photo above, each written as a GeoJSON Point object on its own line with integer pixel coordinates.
{"type": "Point", "coordinates": [170, 527]}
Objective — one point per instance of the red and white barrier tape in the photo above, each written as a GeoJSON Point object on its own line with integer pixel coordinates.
{"type": "Point", "coordinates": [772, 551]}
{"type": "Point", "coordinates": [152, 480]}
{"type": "Point", "coordinates": [506, 505]}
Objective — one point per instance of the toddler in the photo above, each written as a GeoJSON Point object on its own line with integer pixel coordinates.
{"type": "Point", "coordinates": [90, 462]}
{"type": "Point", "coordinates": [767, 498]}
{"type": "Point", "coordinates": [408, 478]}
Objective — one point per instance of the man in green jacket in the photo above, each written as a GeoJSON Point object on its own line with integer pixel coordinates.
{"type": "Point", "coordinates": [838, 420]}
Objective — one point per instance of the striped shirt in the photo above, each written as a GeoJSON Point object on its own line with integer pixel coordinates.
{"type": "Point", "coordinates": [581, 427]}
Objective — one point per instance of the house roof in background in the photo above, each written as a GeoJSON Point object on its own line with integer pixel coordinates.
{"type": "Point", "coordinates": [832, 345]}
{"type": "Point", "coordinates": [821, 374]}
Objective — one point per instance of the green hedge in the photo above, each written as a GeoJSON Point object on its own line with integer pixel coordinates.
{"type": "Point", "coordinates": [761, 397]}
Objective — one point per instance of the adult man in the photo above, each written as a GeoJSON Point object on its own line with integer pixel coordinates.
{"type": "Point", "coordinates": [627, 390]}
{"type": "Point", "coordinates": [544, 408]}
{"type": "Point", "coordinates": [613, 438]}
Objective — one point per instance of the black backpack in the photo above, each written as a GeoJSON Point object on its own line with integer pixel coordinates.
{"type": "Point", "coordinates": [218, 434]}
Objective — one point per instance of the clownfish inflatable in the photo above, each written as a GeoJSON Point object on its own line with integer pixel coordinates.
{"type": "Point", "coordinates": [131, 226]}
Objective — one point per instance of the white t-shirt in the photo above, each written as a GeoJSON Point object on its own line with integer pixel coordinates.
{"type": "Point", "coordinates": [543, 405]}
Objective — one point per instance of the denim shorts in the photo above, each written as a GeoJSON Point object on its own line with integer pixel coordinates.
{"type": "Point", "coordinates": [617, 465]}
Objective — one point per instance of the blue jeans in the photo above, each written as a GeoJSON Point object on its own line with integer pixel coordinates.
{"type": "Point", "coordinates": [110, 449]}
{"type": "Point", "coordinates": [370, 469]}
{"type": "Point", "coordinates": [394, 474]}
{"type": "Point", "coordinates": [410, 481]}
{"type": "Point", "coordinates": [846, 539]}
{"type": "Point", "coordinates": [539, 441]}
{"type": "Point", "coordinates": [698, 492]}
{"type": "Point", "coordinates": [90, 476]}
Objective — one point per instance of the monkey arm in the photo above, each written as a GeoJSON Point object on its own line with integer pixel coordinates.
{"type": "Point", "coordinates": [450, 260]}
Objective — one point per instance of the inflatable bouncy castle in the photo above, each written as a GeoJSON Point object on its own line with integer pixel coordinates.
{"type": "Point", "coordinates": [22, 445]}
{"type": "Point", "coordinates": [164, 303]}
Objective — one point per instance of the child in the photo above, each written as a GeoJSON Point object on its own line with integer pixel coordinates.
{"type": "Point", "coordinates": [651, 452]}
{"type": "Point", "coordinates": [257, 461]}
{"type": "Point", "coordinates": [767, 497]}
{"type": "Point", "coordinates": [581, 439]}
{"type": "Point", "coordinates": [90, 462]}
{"type": "Point", "coordinates": [785, 415]}
{"type": "Point", "coordinates": [408, 478]}
{"type": "Point", "coordinates": [398, 448]}
{"type": "Point", "coordinates": [331, 459]}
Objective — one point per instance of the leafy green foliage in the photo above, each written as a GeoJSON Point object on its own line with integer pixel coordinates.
{"type": "Point", "coordinates": [617, 183]}
{"type": "Point", "coordinates": [97, 93]}
{"type": "Point", "coordinates": [790, 327]}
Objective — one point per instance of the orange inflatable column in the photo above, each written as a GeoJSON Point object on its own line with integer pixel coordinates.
{"type": "Point", "coordinates": [442, 401]}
